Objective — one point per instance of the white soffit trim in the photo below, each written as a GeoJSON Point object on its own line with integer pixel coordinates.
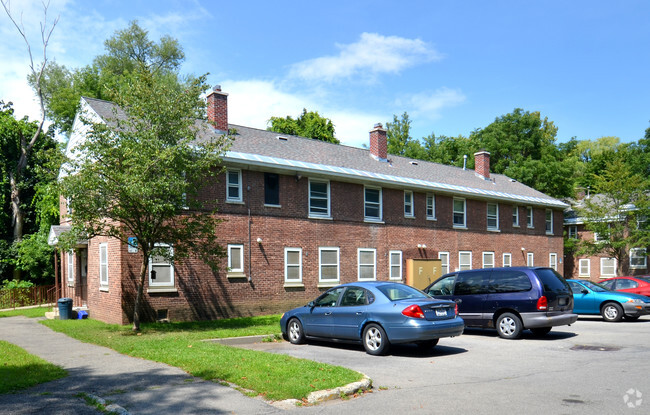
{"type": "Point", "coordinates": [257, 159]}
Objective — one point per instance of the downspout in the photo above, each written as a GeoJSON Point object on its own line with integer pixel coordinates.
{"type": "Point", "coordinates": [250, 249]}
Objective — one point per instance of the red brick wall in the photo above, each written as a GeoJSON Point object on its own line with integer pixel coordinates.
{"type": "Point", "coordinates": [572, 262]}
{"type": "Point", "coordinates": [202, 294]}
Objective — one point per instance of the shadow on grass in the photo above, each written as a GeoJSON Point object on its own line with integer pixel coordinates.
{"type": "Point", "coordinates": [232, 324]}
{"type": "Point", "coordinates": [17, 377]}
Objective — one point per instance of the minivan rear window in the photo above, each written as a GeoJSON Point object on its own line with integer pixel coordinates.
{"type": "Point", "coordinates": [509, 282]}
{"type": "Point", "coordinates": [551, 281]}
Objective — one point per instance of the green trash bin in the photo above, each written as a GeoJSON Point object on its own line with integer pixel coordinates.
{"type": "Point", "coordinates": [65, 308]}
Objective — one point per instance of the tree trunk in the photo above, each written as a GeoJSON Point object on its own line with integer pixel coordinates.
{"type": "Point", "coordinates": [138, 297]}
{"type": "Point", "coordinates": [18, 216]}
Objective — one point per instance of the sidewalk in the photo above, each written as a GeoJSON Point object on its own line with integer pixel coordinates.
{"type": "Point", "coordinates": [140, 386]}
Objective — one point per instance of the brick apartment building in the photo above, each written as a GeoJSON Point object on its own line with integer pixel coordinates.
{"type": "Point", "coordinates": [301, 215]}
{"type": "Point", "coordinates": [601, 266]}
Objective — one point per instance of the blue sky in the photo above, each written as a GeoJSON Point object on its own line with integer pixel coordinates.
{"type": "Point", "coordinates": [454, 66]}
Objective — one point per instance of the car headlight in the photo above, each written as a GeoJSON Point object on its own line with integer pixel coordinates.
{"type": "Point", "coordinates": [635, 301]}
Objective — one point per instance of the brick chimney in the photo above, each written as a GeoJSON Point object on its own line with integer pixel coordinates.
{"type": "Point", "coordinates": [378, 143]}
{"type": "Point", "coordinates": [482, 164]}
{"type": "Point", "coordinates": [218, 109]}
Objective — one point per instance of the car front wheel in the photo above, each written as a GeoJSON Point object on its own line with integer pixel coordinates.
{"type": "Point", "coordinates": [612, 312]}
{"type": "Point", "coordinates": [295, 332]}
{"type": "Point", "coordinates": [509, 326]}
{"type": "Point", "coordinates": [375, 340]}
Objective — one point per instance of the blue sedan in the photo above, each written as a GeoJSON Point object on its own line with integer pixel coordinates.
{"type": "Point", "coordinates": [375, 314]}
{"type": "Point", "coordinates": [591, 298]}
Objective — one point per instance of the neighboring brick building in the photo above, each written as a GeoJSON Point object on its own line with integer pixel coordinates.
{"type": "Point", "coordinates": [600, 266]}
{"type": "Point", "coordinates": [302, 215]}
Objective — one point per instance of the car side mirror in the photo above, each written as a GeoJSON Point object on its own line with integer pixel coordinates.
{"type": "Point", "coordinates": [310, 304]}
{"type": "Point", "coordinates": [584, 291]}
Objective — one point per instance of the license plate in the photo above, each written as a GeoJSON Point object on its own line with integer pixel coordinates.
{"type": "Point", "coordinates": [563, 301]}
{"type": "Point", "coordinates": [440, 312]}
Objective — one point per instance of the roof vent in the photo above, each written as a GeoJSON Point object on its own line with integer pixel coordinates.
{"type": "Point", "coordinates": [282, 138]}
{"type": "Point", "coordinates": [415, 163]}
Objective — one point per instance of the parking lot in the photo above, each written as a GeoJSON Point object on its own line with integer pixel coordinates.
{"type": "Point", "coordinates": [591, 367]}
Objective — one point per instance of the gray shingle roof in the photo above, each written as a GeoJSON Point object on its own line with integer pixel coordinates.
{"type": "Point", "coordinates": [263, 149]}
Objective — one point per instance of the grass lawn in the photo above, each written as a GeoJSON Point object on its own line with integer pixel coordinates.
{"type": "Point", "coordinates": [20, 370]}
{"type": "Point", "coordinates": [27, 312]}
{"type": "Point", "coordinates": [273, 376]}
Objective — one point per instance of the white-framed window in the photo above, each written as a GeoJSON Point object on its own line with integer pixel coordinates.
{"type": "Point", "coordinates": [70, 267]}
{"type": "Point", "coordinates": [515, 216]}
{"type": "Point", "coordinates": [552, 260]}
{"type": "Point", "coordinates": [103, 264]}
{"type": "Point", "coordinates": [161, 269]}
{"type": "Point", "coordinates": [529, 216]}
{"type": "Point", "coordinates": [319, 198]}
{"type": "Point", "coordinates": [584, 267]}
{"type": "Point", "coordinates": [366, 264]}
{"type": "Point", "coordinates": [530, 259]}
{"type": "Point", "coordinates": [638, 258]}
{"type": "Point", "coordinates": [460, 206]}
{"type": "Point", "coordinates": [328, 265]}
{"type": "Point", "coordinates": [464, 260]}
{"type": "Point", "coordinates": [408, 204]}
{"type": "Point", "coordinates": [233, 185]}
{"type": "Point", "coordinates": [235, 258]}
{"type": "Point", "coordinates": [507, 260]}
{"type": "Point", "coordinates": [431, 206]}
{"type": "Point", "coordinates": [572, 232]}
{"type": "Point", "coordinates": [493, 216]}
{"type": "Point", "coordinates": [607, 267]}
{"type": "Point", "coordinates": [549, 222]}
{"type": "Point", "coordinates": [293, 265]}
{"type": "Point", "coordinates": [395, 272]}
{"type": "Point", "coordinates": [444, 261]}
{"type": "Point", "coordinates": [372, 204]}
{"type": "Point", "coordinates": [488, 259]}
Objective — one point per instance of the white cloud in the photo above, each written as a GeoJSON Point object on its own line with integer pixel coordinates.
{"type": "Point", "coordinates": [371, 55]}
{"type": "Point", "coordinates": [429, 104]}
{"type": "Point", "coordinates": [253, 102]}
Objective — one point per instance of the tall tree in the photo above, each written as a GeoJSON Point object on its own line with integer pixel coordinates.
{"type": "Point", "coordinates": [139, 174]}
{"type": "Point", "coordinates": [126, 50]}
{"type": "Point", "coordinates": [27, 143]}
{"type": "Point", "coordinates": [618, 213]}
{"type": "Point", "coordinates": [309, 124]}
{"type": "Point", "coordinates": [39, 200]}
{"type": "Point", "coordinates": [400, 142]}
{"type": "Point", "coordinates": [449, 150]}
{"type": "Point", "coordinates": [522, 146]}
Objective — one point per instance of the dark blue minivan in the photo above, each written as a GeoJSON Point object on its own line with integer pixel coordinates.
{"type": "Point", "coordinates": [509, 299]}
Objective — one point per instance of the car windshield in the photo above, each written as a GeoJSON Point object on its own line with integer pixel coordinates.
{"type": "Point", "coordinates": [595, 287]}
{"type": "Point", "coordinates": [396, 292]}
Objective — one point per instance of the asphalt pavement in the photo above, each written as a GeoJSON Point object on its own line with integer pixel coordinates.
{"type": "Point", "coordinates": [591, 367]}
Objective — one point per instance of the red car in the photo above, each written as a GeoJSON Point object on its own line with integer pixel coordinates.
{"type": "Point", "coordinates": [637, 285]}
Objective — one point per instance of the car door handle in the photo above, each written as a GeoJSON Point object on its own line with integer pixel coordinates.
{"type": "Point", "coordinates": [328, 313]}
{"type": "Point", "coordinates": [458, 300]}
{"type": "Point", "coordinates": [359, 313]}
